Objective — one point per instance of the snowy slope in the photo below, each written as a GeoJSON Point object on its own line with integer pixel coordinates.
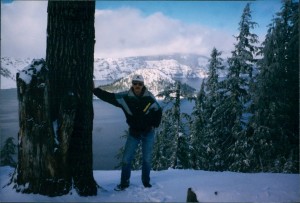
{"type": "Point", "coordinates": [9, 68]}
{"type": "Point", "coordinates": [173, 68]}
{"type": "Point", "coordinates": [171, 186]}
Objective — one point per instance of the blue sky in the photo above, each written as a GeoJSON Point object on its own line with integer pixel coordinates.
{"type": "Point", "coordinates": [132, 28]}
{"type": "Point", "coordinates": [201, 25]}
{"type": "Point", "coordinates": [220, 14]}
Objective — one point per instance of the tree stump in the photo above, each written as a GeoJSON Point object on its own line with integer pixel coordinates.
{"type": "Point", "coordinates": [37, 170]}
{"type": "Point", "coordinates": [191, 196]}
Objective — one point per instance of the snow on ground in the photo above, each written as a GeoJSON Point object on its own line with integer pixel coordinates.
{"type": "Point", "coordinates": [171, 186]}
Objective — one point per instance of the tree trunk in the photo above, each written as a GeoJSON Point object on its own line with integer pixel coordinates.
{"type": "Point", "coordinates": [56, 110]}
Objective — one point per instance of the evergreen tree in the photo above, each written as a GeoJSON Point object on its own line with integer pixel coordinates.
{"type": "Point", "coordinates": [163, 147]}
{"type": "Point", "coordinates": [199, 158]}
{"type": "Point", "coordinates": [214, 100]}
{"type": "Point", "coordinates": [8, 150]}
{"type": "Point", "coordinates": [208, 125]}
{"type": "Point", "coordinates": [237, 98]}
{"type": "Point", "coordinates": [172, 143]}
{"type": "Point", "coordinates": [275, 122]}
{"type": "Point", "coordinates": [215, 65]}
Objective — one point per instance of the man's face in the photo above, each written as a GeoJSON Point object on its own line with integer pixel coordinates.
{"type": "Point", "coordinates": [137, 87]}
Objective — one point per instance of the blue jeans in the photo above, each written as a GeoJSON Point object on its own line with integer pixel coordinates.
{"type": "Point", "coordinates": [132, 142]}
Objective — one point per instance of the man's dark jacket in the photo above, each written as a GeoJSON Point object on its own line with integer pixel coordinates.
{"type": "Point", "coordinates": [142, 112]}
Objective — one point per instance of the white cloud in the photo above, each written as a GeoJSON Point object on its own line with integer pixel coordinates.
{"type": "Point", "coordinates": [23, 29]}
{"type": "Point", "coordinates": [122, 32]}
{"type": "Point", "coordinates": [126, 32]}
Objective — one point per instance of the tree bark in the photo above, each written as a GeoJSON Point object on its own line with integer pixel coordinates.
{"type": "Point", "coordinates": [59, 154]}
{"type": "Point", "coordinates": [36, 170]}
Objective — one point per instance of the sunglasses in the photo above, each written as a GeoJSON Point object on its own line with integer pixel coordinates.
{"type": "Point", "coordinates": [137, 84]}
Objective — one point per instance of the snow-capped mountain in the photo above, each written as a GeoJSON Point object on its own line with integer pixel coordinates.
{"type": "Point", "coordinates": [176, 66]}
{"type": "Point", "coordinates": [173, 66]}
{"type": "Point", "coordinates": [154, 79]}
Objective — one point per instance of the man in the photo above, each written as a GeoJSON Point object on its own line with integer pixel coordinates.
{"type": "Point", "coordinates": [143, 114]}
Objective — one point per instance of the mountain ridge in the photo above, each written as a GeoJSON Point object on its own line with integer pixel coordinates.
{"type": "Point", "coordinates": [154, 80]}
{"type": "Point", "coordinates": [111, 69]}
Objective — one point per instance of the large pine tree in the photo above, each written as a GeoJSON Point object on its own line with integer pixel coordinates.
{"type": "Point", "coordinates": [199, 144]}
{"type": "Point", "coordinates": [236, 92]}
{"type": "Point", "coordinates": [171, 147]}
{"type": "Point", "coordinates": [275, 122]}
{"type": "Point", "coordinates": [206, 131]}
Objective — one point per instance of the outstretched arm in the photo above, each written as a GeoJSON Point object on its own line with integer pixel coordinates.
{"type": "Point", "coordinates": [106, 96]}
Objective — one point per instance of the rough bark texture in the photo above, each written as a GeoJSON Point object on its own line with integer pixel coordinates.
{"type": "Point", "coordinates": [36, 171]}
{"type": "Point", "coordinates": [56, 118]}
